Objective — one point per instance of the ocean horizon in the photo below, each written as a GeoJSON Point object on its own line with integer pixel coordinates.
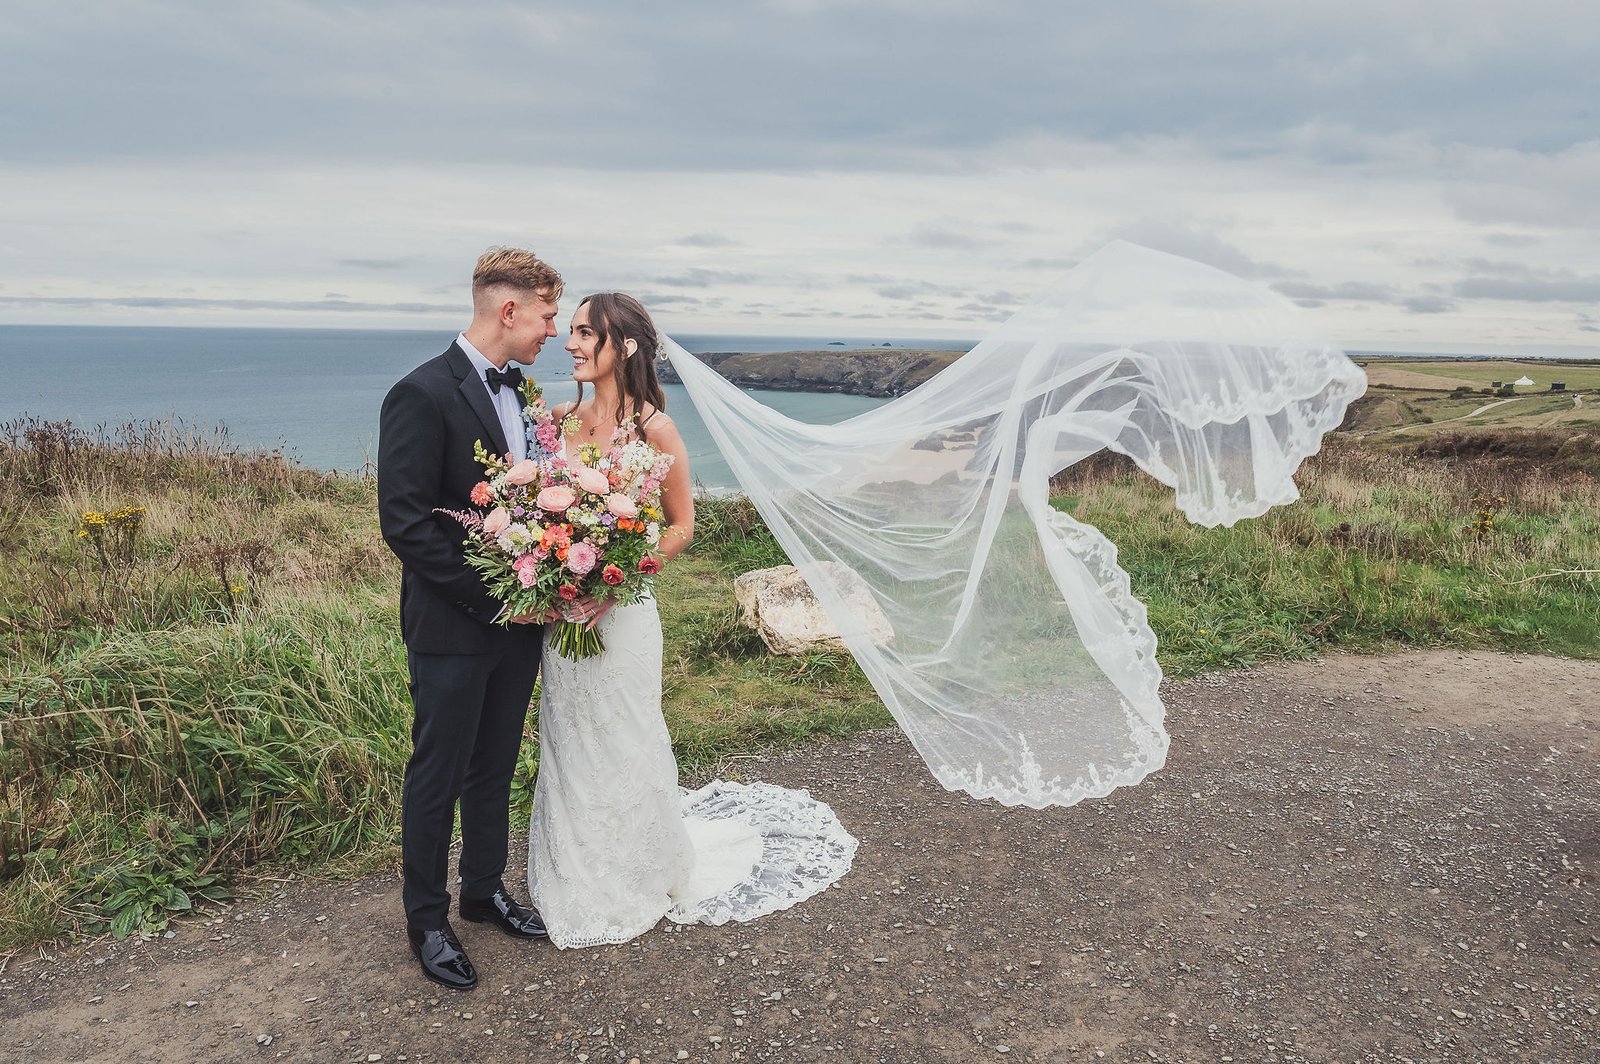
{"type": "Point", "coordinates": [314, 394]}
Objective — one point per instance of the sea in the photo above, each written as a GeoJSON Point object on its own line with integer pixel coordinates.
{"type": "Point", "coordinates": [314, 394]}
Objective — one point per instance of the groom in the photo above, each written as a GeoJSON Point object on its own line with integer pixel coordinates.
{"type": "Point", "coordinates": [471, 678]}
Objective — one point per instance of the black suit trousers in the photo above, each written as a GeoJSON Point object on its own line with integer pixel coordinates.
{"type": "Point", "coordinates": [470, 714]}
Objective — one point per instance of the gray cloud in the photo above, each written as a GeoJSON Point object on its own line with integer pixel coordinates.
{"type": "Point", "coordinates": [195, 303]}
{"type": "Point", "coordinates": [1512, 240]}
{"type": "Point", "coordinates": [705, 240]}
{"type": "Point", "coordinates": [1519, 282]}
{"type": "Point", "coordinates": [942, 239]}
{"type": "Point", "coordinates": [1429, 304]}
{"type": "Point", "coordinates": [113, 78]}
{"type": "Point", "coordinates": [1180, 238]}
{"type": "Point", "coordinates": [1531, 290]}
{"type": "Point", "coordinates": [696, 277]}
{"type": "Point", "coordinates": [985, 311]}
{"type": "Point", "coordinates": [1361, 290]}
{"type": "Point", "coordinates": [663, 299]}
{"type": "Point", "coordinates": [910, 290]}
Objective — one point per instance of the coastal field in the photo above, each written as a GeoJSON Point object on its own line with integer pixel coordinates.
{"type": "Point", "coordinates": [1448, 373]}
{"type": "Point", "coordinates": [201, 678]}
{"type": "Point", "coordinates": [1412, 399]}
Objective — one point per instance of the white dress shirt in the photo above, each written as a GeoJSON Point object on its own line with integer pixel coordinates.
{"type": "Point", "coordinates": [506, 401]}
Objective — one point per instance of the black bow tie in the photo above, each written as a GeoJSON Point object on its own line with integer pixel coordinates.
{"type": "Point", "coordinates": [500, 378]}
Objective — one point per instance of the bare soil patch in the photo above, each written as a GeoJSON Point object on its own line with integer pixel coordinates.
{"type": "Point", "coordinates": [1359, 859]}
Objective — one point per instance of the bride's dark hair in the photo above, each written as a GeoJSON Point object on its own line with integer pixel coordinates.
{"type": "Point", "coordinates": [615, 317]}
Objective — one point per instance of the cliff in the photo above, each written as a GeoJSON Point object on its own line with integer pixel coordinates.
{"type": "Point", "coordinates": [879, 372]}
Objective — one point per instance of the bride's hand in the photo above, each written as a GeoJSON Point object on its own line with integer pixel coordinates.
{"type": "Point", "coordinates": [598, 610]}
{"type": "Point", "coordinates": [585, 610]}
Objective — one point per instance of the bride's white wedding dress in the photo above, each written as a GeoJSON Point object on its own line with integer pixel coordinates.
{"type": "Point", "coordinates": [615, 844]}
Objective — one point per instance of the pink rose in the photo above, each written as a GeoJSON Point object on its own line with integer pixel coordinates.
{"type": "Point", "coordinates": [524, 472]}
{"type": "Point", "coordinates": [581, 558]}
{"type": "Point", "coordinates": [556, 498]}
{"type": "Point", "coordinates": [591, 480]}
{"type": "Point", "coordinates": [526, 577]}
{"type": "Point", "coordinates": [621, 506]}
{"type": "Point", "coordinates": [497, 521]}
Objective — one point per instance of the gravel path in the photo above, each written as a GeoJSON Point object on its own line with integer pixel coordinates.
{"type": "Point", "coordinates": [1362, 859]}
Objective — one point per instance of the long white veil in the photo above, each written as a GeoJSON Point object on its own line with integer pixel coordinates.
{"type": "Point", "coordinates": [1020, 665]}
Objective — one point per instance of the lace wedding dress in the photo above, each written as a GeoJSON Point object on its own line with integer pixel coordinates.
{"type": "Point", "coordinates": [615, 843]}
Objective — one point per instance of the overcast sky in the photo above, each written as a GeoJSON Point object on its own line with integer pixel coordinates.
{"type": "Point", "coordinates": [1419, 174]}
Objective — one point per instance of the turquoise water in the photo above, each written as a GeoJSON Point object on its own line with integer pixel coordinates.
{"type": "Point", "coordinates": [315, 393]}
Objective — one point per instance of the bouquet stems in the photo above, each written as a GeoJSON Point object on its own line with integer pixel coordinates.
{"type": "Point", "coordinates": [574, 641]}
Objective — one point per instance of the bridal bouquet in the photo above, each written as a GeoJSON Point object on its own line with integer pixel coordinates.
{"type": "Point", "coordinates": [567, 526]}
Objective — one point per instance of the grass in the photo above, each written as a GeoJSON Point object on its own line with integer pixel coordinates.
{"type": "Point", "coordinates": [1383, 550]}
{"type": "Point", "coordinates": [201, 674]}
{"type": "Point", "coordinates": [1576, 375]}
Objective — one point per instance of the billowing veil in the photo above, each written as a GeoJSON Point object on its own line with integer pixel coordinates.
{"type": "Point", "coordinates": [999, 631]}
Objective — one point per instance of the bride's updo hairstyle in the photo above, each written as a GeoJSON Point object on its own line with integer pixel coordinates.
{"type": "Point", "coordinates": [615, 317]}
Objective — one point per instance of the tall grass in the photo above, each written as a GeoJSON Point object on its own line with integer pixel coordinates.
{"type": "Point", "coordinates": [1467, 545]}
{"type": "Point", "coordinates": [214, 681]}
{"type": "Point", "coordinates": [206, 683]}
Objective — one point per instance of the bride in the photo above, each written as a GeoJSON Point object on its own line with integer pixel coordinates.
{"type": "Point", "coordinates": [614, 843]}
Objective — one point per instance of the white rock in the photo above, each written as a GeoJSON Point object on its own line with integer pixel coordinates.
{"type": "Point", "coordinates": [782, 609]}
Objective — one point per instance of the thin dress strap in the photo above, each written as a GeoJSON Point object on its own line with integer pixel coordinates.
{"type": "Point", "coordinates": [640, 427]}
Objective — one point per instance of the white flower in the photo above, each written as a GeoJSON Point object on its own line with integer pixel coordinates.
{"type": "Point", "coordinates": [652, 532]}
{"type": "Point", "coordinates": [515, 538]}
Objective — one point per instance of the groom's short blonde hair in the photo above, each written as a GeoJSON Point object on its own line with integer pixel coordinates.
{"type": "Point", "coordinates": [516, 268]}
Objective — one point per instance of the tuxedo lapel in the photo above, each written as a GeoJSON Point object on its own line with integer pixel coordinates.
{"type": "Point", "coordinates": [477, 396]}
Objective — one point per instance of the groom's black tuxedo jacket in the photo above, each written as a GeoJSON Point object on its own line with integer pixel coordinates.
{"type": "Point", "coordinates": [429, 423]}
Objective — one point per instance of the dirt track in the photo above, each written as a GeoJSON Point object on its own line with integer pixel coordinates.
{"type": "Point", "coordinates": [1365, 859]}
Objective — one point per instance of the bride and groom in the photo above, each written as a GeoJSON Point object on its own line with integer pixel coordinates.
{"type": "Point", "coordinates": [614, 844]}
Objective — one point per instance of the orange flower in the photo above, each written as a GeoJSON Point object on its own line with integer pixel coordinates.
{"type": "Point", "coordinates": [561, 554]}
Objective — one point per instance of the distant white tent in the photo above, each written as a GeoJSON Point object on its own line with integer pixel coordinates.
{"type": "Point", "coordinates": [1522, 382]}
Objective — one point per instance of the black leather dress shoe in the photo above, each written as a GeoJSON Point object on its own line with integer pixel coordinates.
{"type": "Point", "coordinates": [443, 959]}
{"type": "Point", "coordinates": [499, 909]}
